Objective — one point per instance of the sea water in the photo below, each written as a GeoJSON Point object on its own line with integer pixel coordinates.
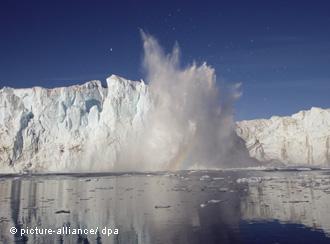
{"type": "Point", "coordinates": [232, 206]}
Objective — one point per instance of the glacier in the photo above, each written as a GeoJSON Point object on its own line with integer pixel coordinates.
{"type": "Point", "coordinates": [303, 138]}
{"type": "Point", "coordinates": [96, 128]}
{"type": "Point", "coordinates": [70, 128]}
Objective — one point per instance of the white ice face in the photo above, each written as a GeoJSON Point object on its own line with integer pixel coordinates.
{"type": "Point", "coordinates": [70, 128]}
{"type": "Point", "coordinates": [303, 138]}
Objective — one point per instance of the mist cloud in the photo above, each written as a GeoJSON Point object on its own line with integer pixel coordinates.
{"type": "Point", "coordinates": [190, 123]}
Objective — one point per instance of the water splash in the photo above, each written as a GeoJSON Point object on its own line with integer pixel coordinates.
{"type": "Point", "coordinates": [190, 124]}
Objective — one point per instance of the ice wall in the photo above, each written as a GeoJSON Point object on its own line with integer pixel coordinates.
{"type": "Point", "coordinates": [78, 128]}
{"type": "Point", "coordinates": [303, 138]}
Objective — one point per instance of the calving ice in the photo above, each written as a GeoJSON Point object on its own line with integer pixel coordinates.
{"type": "Point", "coordinates": [180, 119]}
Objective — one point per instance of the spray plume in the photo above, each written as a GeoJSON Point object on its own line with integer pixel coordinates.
{"type": "Point", "coordinates": [190, 123]}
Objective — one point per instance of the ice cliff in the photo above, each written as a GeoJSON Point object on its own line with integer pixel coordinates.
{"type": "Point", "coordinates": [77, 128]}
{"type": "Point", "coordinates": [118, 127]}
{"type": "Point", "coordinates": [92, 128]}
{"type": "Point", "coordinates": [303, 138]}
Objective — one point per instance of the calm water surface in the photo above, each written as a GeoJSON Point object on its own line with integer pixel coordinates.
{"type": "Point", "coordinates": [184, 207]}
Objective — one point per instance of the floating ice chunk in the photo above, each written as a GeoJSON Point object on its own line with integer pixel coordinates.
{"type": "Point", "coordinates": [169, 175]}
{"type": "Point", "coordinates": [249, 180]}
{"type": "Point", "coordinates": [213, 201]}
{"type": "Point", "coordinates": [205, 177]}
{"type": "Point", "coordinates": [203, 205]}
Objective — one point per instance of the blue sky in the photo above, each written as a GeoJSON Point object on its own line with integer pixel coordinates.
{"type": "Point", "coordinates": [278, 50]}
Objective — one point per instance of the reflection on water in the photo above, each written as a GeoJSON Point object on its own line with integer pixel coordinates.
{"type": "Point", "coordinates": [187, 207]}
{"type": "Point", "coordinates": [302, 199]}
